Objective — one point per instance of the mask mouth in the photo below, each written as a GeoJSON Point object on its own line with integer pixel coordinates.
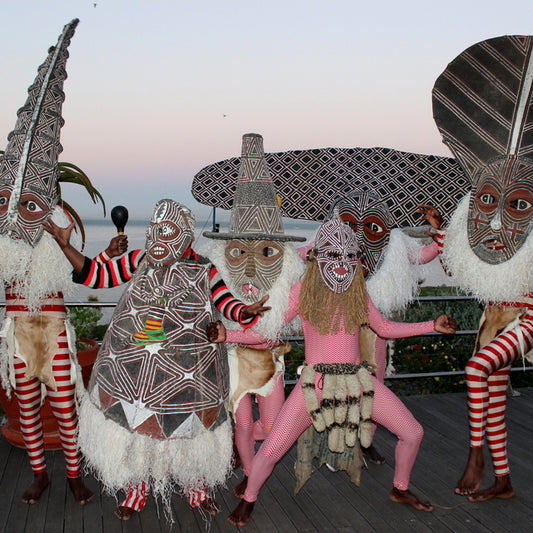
{"type": "Point", "coordinates": [493, 244]}
{"type": "Point", "coordinates": [340, 272]}
{"type": "Point", "coordinates": [158, 252]}
{"type": "Point", "coordinates": [250, 290]}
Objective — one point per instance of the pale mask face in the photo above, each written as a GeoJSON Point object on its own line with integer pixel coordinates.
{"type": "Point", "coordinates": [254, 266]}
{"type": "Point", "coordinates": [368, 217]}
{"type": "Point", "coordinates": [501, 209]}
{"type": "Point", "coordinates": [336, 252]}
{"type": "Point", "coordinates": [170, 233]}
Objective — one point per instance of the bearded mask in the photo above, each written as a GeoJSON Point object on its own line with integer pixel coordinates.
{"type": "Point", "coordinates": [501, 209]}
{"type": "Point", "coordinates": [483, 107]}
{"type": "Point", "coordinates": [369, 218]}
{"type": "Point", "coordinates": [336, 253]}
{"type": "Point", "coordinates": [254, 265]}
{"type": "Point", "coordinates": [169, 234]}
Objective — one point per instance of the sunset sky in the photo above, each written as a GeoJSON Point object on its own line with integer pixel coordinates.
{"type": "Point", "coordinates": [158, 89]}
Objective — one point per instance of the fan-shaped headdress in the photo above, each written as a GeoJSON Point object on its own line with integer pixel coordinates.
{"type": "Point", "coordinates": [483, 107]}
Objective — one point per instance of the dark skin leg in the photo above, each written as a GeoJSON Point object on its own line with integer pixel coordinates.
{"type": "Point", "coordinates": [239, 489]}
{"type": "Point", "coordinates": [373, 455]}
{"type": "Point", "coordinates": [502, 488]}
{"type": "Point", "coordinates": [211, 506]}
{"type": "Point", "coordinates": [81, 493]}
{"type": "Point", "coordinates": [123, 513]}
{"type": "Point", "coordinates": [473, 474]}
{"type": "Point", "coordinates": [406, 496]}
{"type": "Point", "coordinates": [241, 514]}
{"type": "Point", "coordinates": [40, 482]}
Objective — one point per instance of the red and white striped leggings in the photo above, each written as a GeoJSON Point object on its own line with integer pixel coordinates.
{"type": "Point", "coordinates": [62, 402]}
{"type": "Point", "coordinates": [487, 376]}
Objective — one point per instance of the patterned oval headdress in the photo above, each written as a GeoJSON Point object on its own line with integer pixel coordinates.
{"type": "Point", "coordinates": [482, 102]}
{"type": "Point", "coordinates": [30, 161]}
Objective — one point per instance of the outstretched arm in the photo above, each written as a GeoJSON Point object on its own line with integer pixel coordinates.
{"type": "Point", "coordinates": [62, 237]}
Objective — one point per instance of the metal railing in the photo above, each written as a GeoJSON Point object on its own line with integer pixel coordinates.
{"type": "Point", "coordinates": [297, 338]}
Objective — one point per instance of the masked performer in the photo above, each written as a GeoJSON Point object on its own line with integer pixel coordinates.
{"type": "Point", "coordinates": [387, 256]}
{"type": "Point", "coordinates": [158, 389]}
{"type": "Point", "coordinates": [255, 259]}
{"type": "Point", "coordinates": [332, 304]}
{"type": "Point", "coordinates": [482, 105]}
{"type": "Point", "coordinates": [38, 347]}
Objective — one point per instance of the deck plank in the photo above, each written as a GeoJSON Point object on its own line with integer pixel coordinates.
{"type": "Point", "coordinates": [327, 503]}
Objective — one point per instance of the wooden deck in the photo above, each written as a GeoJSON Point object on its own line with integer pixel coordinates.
{"type": "Point", "coordinates": [327, 503]}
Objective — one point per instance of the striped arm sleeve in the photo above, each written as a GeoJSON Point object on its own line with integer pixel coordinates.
{"type": "Point", "coordinates": [439, 239]}
{"type": "Point", "coordinates": [230, 307]}
{"type": "Point", "coordinates": [97, 275]}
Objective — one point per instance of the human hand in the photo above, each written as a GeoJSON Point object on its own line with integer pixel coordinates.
{"type": "Point", "coordinates": [60, 235]}
{"type": "Point", "coordinates": [445, 324]}
{"type": "Point", "coordinates": [256, 308]}
{"type": "Point", "coordinates": [216, 332]}
{"type": "Point", "coordinates": [117, 246]}
{"type": "Point", "coordinates": [430, 214]}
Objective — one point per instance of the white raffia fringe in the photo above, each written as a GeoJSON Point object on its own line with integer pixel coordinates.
{"type": "Point", "coordinates": [396, 282]}
{"type": "Point", "coordinates": [507, 281]}
{"type": "Point", "coordinates": [120, 458]}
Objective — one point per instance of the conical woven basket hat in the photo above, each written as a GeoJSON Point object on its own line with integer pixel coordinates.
{"type": "Point", "coordinates": [255, 214]}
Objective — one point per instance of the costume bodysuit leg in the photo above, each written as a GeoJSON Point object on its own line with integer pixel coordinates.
{"type": "Point", "coordinates": [487, 374]}
{"type": "Point", "coordinates": [62, 403]}
{"type": "Point", "coordinates": [390, 412]}
{"type": "Point", "coordinates": [291, 422]}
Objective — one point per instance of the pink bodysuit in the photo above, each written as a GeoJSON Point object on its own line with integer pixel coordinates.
{"type": "Point", "coordinates": [294, 419]}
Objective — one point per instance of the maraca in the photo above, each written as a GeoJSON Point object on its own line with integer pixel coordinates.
{"type": "Point", "coordinates": [119, 216]}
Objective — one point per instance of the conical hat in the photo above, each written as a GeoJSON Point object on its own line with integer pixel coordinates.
{"type": "Point", "coordinates": [255, 214]}
{"type": "Point", "coordinates": [483, 102]}
{"type": "Point", "coordinates": [31, 156]}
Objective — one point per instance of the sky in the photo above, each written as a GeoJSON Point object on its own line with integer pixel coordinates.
{"type": "Point", "coordinates": [157, 89]}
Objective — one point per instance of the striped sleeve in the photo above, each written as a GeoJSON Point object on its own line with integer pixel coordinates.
{"type": "Point", "coordinates": [98, 275]}
{"type": "Point", "coordinates": [439, 239]}
{"type": "Point", "coordinates": [230, 307]}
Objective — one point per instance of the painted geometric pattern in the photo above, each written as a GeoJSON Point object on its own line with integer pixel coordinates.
{"type": "Point", "coordinates": [40, 121]}
{"type": "Point", "coordinates": [169, 389]}
{"type": "Point", "coordinates": [483, 101]}
{"type": "Point", "coordinates": [308, 181]}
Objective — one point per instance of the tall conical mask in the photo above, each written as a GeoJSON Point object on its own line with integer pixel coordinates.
{"type": "Point", "coordinates": [29, 167]}
{"type": "Point", "coordinates": [255, 213]}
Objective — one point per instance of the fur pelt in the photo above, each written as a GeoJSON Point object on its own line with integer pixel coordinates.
{"type": "Point", "coordinates": [252, 369]}
{"type": "Point", "coordinates": [346, 407]}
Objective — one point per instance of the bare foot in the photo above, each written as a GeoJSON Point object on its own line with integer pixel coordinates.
{"type": "Point", "coordinates": [81, 493]}
{"type": "Point", "coordinates": [124, 513]}
{"type": "Point", "coordinates": [373, 455]}
{"type": "Point", "coordinates": [406, 496]}
{"type": "Point", "coordinates": [239, 489]}
{"type": "Point", "coordinates": [502, 488]}
{"type": "Point", "coordinates": [40, 482]}
{"type": "Point", "coordinates": [241, 514]}
{"type": "Point", "coordinates": [473, 474]}
{"type": "Point", "coordinates": [211, 506]}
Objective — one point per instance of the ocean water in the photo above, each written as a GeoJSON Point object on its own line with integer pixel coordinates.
{"type": "Point", "coordinates": [98, 233]}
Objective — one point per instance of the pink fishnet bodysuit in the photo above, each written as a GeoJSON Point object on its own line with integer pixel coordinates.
{"type": "Point", "coordinates": [293, 418]}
